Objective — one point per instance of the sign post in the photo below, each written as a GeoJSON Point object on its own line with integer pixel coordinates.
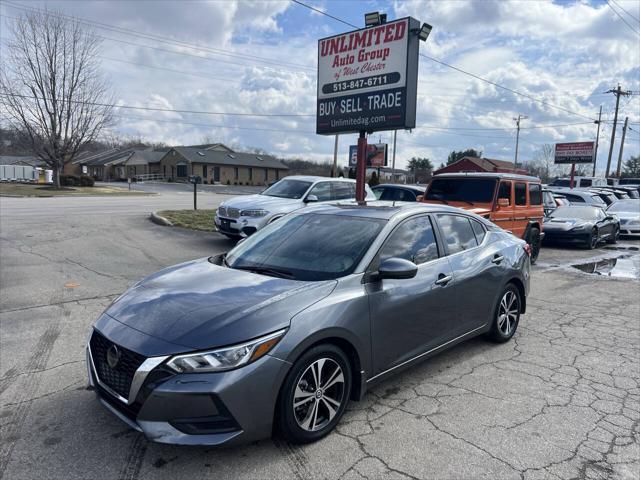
{"type": "Point", "coordinates": [367, 82]}
{"type": "Point", "coordinates": [572, 153]}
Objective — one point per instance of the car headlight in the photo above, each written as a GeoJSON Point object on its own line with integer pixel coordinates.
{"type": "Point", "coordinates": [253, 213]}
{"type": "Point", "coordinates": [228, 358]}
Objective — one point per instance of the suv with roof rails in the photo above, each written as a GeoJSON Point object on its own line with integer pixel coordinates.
{"type": "Point", "coordinates": [512, 201]}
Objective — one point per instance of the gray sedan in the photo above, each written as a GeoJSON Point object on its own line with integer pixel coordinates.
{"type": "Point", "coordinates": [300, 318]}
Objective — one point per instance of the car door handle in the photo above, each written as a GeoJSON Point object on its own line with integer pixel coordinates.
{"type": "Point", "coordinates": [497, 259]}
{"type": "Point", "coordinates": [443, 279]}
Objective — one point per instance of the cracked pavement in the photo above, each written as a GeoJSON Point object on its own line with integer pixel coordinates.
{"type": "Point", "coordinates": [562, 400]}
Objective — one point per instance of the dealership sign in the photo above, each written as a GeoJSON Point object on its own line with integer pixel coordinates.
{"type": "Point", "coordinates": [376, 155]}
{"type": "Point", "coordinates": [575, 152]}
{"type": "Point", "coordinates": [367, 79]}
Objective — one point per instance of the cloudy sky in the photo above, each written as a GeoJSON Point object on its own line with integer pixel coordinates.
{"type": "Point", "coordinates": [260, 57]}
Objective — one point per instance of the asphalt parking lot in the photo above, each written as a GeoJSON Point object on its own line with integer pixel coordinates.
{"type": "Point", "coordinates": [560, 401]}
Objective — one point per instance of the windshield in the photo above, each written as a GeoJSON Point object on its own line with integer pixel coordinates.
{"type": "Point", "coordinates": [632, 206]}
{"type": "Point", "coordinates": [308, 247]}
{"type": "Point", "coordinates": [469, 190]}
{"type": "Point", "coordinates": [582, 213]}
{"type": "Point", "coordinates": [287, 188]}
{"type": "Point", "coordinates": [561, 182]}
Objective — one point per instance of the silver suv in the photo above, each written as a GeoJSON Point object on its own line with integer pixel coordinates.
{"type": "Point", "coordinates": [242, 216]}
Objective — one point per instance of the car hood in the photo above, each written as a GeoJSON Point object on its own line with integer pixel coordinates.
{"type": "Point", "coordinates": [264, 202]}
{"type": "Point", "coordinates": [564, 224]}
{"type": "Point", "coordinates": [199, 305]}
{"type": "Point", "coordinates": [626, 215]}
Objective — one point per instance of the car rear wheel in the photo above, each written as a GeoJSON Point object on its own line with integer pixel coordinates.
{"type": "Point", "coordinates": [506, 315]}
{"type": "Point", "coordinates": [534, 240]}
{"type": "Point", "coordinates": [614, 238]}
{"type": "Point", "coordinates": [315, 394]}
{"type": "Point", "coordinates": [592, 241]}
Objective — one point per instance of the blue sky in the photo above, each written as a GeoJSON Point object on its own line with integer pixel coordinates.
{"type": "Point", "coordinates": [239, 56]}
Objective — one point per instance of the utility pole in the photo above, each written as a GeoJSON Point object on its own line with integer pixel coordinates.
{"type": "Point", "coordinates": [624, 132]}
{"type": "Point", "coordinates": [334, 169]}
{"type": "Point", "coordinates": [520, 117]}
{"type": "Point", "coordinates": [617, 92]}
{"type": "Point", "coordinates": [595, 154]}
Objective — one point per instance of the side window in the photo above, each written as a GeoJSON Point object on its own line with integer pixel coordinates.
{"type": "Point", "coordinates": [402, 195]}
{"type": "Point", "coordinates": [341, 190]}
{"type": "Point", "coordinates": [414, 240]}
{"type": "Point", "coordinates": [585, 182]}
{"type": "Point", "coordinates": [387, 194]}
{"type": "Point", "coordinates": [505, 191]}
{"type": "Point", "coordinates": [574, 198]}
{"type": "Point", "coordinates": [521, 193]}
{"type": "Point", "coordinates": [322, 190]}
{"type": "Point", "coordinates": [479, 230]}
{"type": "Point", "coordinates": [457, 232]}
{"type": "Point", "coordinates": [535, 194]}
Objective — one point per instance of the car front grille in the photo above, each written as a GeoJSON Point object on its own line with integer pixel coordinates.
{"type": "Point", "coordinates": [119, 377]}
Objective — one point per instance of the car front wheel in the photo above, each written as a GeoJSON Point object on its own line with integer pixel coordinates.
{"type": "Point", "coordinates": [506, 315]}
{"type": "Point", "coordinates": [592, 240]}
{"type": "Point", "coordinates": [315, 394]}
{"type": "Point", "coordinates": [614, 237]}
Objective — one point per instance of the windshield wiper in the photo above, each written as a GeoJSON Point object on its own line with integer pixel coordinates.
{"type": "Point", "coordinates": [273, 272]}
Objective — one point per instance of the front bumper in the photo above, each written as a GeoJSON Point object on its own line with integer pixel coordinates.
{"type": "Point", "coordinates": [241, 226]}
{"type": "Point", "coordinates": [565, 236]}
{"type": "Point", "coordinates": [227, 408]}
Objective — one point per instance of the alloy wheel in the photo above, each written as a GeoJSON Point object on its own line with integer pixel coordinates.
{"type": "Point", "coordinates": [508, 313]}
{"type": "Point", "coordinates": [319, 394]}
{"type": "Point", "coordinates": [594, 239]}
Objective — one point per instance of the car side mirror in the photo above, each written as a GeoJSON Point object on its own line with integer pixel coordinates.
{"type": "Point", "coordinates": [310, 198]}
{"type": "Point", "coordinates": [397, 268]}
{"type": "Point", "coordinates": [504, 202]}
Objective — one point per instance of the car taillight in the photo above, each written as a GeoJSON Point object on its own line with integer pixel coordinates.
{"type": "Point", "coordinates": [527, 248]}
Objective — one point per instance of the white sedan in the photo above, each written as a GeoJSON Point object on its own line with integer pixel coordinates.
{"type": "Point", "coordinates": [241, 216]}
{"type": "Point", "coordinates": [628, 211]}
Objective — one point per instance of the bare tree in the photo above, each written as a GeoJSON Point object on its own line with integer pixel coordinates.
{"type": "Point", "coordinates": [51, 86]}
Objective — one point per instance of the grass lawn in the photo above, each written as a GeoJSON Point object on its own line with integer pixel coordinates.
{"type": "Point", "coordinates": [193, 219]}
{"type": "Point", "coordinates": [27, 190]}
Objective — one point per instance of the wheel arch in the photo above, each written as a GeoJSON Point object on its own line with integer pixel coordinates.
{"type": "Point", "coordinates": [521, 290]}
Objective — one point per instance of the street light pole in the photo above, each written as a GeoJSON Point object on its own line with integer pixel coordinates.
{"type": "Point", "coordinates": [393, 162]}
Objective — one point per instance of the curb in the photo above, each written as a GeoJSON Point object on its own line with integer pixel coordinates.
{"type": "Point", "coordinates": [160, 220]}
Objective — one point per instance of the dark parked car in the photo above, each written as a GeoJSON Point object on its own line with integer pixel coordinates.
{"type": "Point", "coordinates": [398, 193]}
{"type": "Point", "coordinates": [287, 327]}
{"type": "Point", "coordinates": [582, 224]}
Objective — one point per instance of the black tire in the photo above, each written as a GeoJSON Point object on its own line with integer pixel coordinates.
{"type": "Point", "coordinates": [298, 424]}
{"type": "Point", "coordinates": [614, 239]}
{"type": "Point", "coordinates": [592, 241]}
{"type": "Point", "coordinates": [533, 239]}
{"type": "Point", "coordinates": [500, 331]}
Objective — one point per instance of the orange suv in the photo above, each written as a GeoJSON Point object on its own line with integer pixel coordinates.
{"type": "Point", "coordinates": [513, 202]}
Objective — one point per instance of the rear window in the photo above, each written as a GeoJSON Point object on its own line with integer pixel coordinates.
{"type": "Point", "coordinates": [457, 232]}
{"type": "Point", "coordinates": [470, 190]}
{"type": "Point", "coordinates": [560, 182]}
{"type": "Point", "coordinates": [585, 182]}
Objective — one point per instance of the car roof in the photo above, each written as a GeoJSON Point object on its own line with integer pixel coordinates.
{"type": "Point", "coordinates": [510, 176]}
{"type": "Point", "coordinates": [577, 191]}
{"type": "Point", "coordinates": [315, 178]}
{"type": "Point", "coordinates": [419, 188]}
{"type": "Point", "coordinates": [380, 209]}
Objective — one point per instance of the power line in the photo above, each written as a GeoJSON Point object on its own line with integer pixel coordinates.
{"type": "Point", "coordinates": [509, 128]}
{"type": "Point", "coordinates": [317, 10]}
{"type": "Point", "coordinates": [623, 19]}
{"type": "Point", "coordinates": [154, 109]}
{"type": "Point", "coordinates": [530, 97]}
{"type": "Point", "coordinates": [154, 37]}
{"type": "Point", "coordinates": [625, 11]}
